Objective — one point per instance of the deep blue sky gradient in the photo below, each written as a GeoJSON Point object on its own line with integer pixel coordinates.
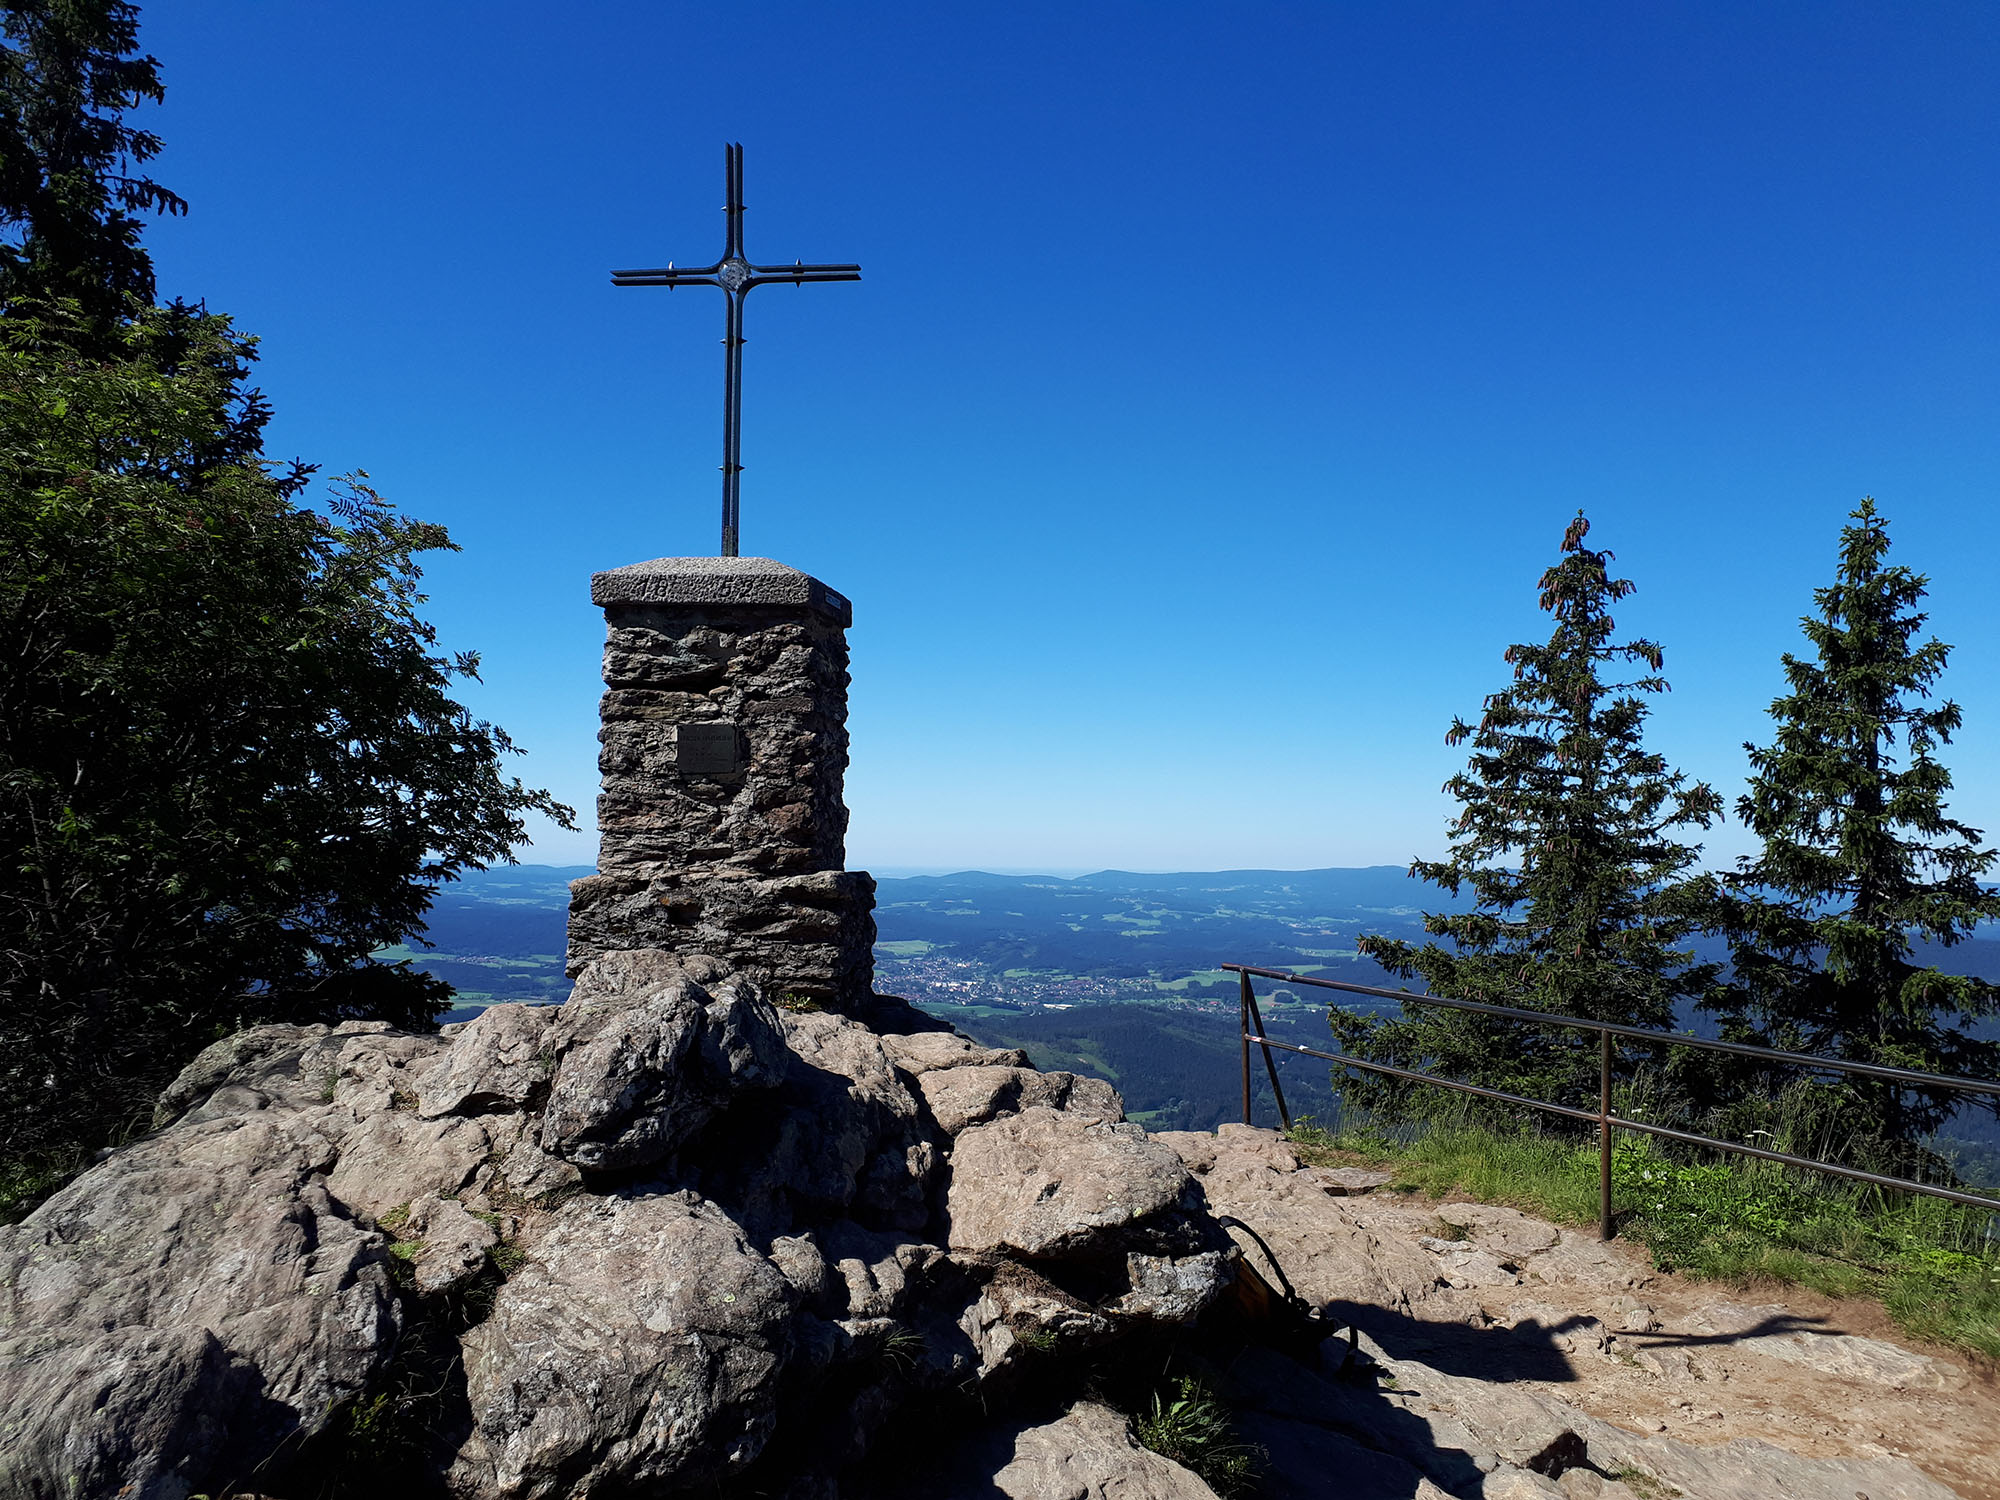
{"type": "Point", "coordinates": [1223, 378]}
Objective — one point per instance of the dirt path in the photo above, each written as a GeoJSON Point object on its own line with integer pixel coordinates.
{"type": "Point", "coordinates": [1500, 1329]}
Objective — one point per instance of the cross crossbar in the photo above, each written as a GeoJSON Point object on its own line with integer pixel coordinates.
{"type": "Point", "coordinates": [737, 278]}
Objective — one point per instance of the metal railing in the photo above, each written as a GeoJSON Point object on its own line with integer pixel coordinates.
{"type": "Point", "coordinates": [1602, 1118]}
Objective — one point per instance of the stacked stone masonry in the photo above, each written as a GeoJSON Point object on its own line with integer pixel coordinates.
{"type": "Point", "coordinates": [722, 825]}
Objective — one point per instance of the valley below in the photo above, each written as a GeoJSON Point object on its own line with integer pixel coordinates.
{"type": "Point", "coordinates": [1116, 975]}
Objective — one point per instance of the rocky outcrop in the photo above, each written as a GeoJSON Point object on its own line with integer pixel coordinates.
{"type": "Point", "coordinates": [668, 1239]}
{"type": "Point", "coordinates": [1484, 1338]}
{"type": "Point", "coordinates": [625, 1242]}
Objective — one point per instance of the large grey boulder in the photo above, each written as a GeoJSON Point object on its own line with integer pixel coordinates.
{"type": "Point", "coordinates": [1047, 1183]}
{"type": "Point", "coordinates": [500, 1060]}
{"type": "Point", "coordinates": [644, 1057]}
{"type": "Point", "coordinates": [639, 1345]}
{"type": "Point", "coordinates": [963, 1096]}
{"type": "Point", "coordinates": [178, 1313]}
{"type": "Point", "coordinates": [388, 1160]}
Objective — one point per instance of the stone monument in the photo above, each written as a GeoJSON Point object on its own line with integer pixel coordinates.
{"type": "Point", "coordinates": [722, 828]}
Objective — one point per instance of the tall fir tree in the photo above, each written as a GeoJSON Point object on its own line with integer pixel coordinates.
{"type": "Point", "coordinates": [1860, 860]}
{"type": "Point", "coordinates": [1565, 837]}
{"type": "Point", "coordinates": [70, 192]}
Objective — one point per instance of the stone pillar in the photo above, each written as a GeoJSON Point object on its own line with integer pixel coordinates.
{"type": "Point", "coordinates": [721, 824]}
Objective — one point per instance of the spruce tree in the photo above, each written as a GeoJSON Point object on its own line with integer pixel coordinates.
{"type": "Point", "coordinates": [1565, 838]}
{"type": "Point", "coordinates": [1860, 859]}
{"type": "Point", "coordinates": [70, 194]}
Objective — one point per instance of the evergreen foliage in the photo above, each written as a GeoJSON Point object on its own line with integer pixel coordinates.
{"type": "Point", "coordinates": [230, 763]}
{"type": "Point", "coordinates": [1859, 858]}
{"type": "Point", "coordinates": [70, 195]}
{"type": "Point", "coordinates": [1565, 837]}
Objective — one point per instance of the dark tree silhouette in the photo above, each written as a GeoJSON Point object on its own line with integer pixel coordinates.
{"type": "Point", "coordinates": [1565, 837]}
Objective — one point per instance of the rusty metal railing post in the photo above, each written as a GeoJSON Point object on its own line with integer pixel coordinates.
{"type": "Point", "coordinates": [1604, 1225]}
{"type": "Point", "coordinates": [1270, 1066]}
{"type": "Point", "coordinates": [1244, 1000]}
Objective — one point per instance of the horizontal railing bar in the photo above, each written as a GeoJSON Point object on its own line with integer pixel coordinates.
{"type": "Point", "coordinates": [1878, 1179]}
{"type": "Point", "coordinates": [1617, 1122]}
{"type": "Point", "coordinates": [1444, 1083]}
{"type": "Point", "coordinates": [1548, 1018]}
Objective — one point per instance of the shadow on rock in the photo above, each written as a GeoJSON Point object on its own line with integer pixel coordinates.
{"type": "Point", "coordinates": [1527, 1351]}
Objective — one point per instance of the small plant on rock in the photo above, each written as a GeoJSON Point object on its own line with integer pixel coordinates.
{"type": "Point", "coordinates": [1192, 1426]}
{"type": "Point", "coordinates": [901, 1350]}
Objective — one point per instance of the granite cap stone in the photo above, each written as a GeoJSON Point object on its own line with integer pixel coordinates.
{"type": "Point", "coordinates": [720, 581]}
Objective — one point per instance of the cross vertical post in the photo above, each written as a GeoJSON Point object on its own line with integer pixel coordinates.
{"type": "Point", "coordinates": [737, 277]}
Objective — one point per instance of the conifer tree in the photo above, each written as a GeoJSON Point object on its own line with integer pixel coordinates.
{"type": "Point", "coordinates": [70, 194]}
{"type": "Point", "coordinates": [1565, 837]}
{"type": "Point", "coordinates": [1859, 860]}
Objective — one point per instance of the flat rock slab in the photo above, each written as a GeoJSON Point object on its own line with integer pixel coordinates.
{"type": "Point", "coordinates": [1507, 1331]}
{"type": "Point", "coordinates": [1343, 1182]}
{"type": "Point", "coordinates": [1087, 1454]}
{"type": "Point", "coordinates": [1773, 1331]}
{"type": "Point", "coordinates": [1049, 1183]}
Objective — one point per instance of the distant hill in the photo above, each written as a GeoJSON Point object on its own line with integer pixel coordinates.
{"type": "Point", "coordinates": [1008, 940]}
{"type": "Point", "coordinates": [1114, 974]}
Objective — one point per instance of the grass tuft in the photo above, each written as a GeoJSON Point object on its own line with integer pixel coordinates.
{"type": "Point", "coordinates": [1190, 1425]}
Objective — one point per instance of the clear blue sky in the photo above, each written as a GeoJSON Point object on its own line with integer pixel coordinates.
{"type": "Point", "coordinates": [1222, 379]}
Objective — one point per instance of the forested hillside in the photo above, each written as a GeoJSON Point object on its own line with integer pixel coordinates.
{"type": "Point", "coordinates": [1111, 974]}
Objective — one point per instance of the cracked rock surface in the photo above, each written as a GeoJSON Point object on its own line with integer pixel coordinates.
{"type": "Point", "coordinates": [670, 1240]}
{"type": "Point", "coordinates": [1487, 1334]}
{"type": "Point", "coordinates": [661, 1239]}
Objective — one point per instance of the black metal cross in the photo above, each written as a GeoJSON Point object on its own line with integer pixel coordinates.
{"type": "Point", "coordinates": [736, 276]}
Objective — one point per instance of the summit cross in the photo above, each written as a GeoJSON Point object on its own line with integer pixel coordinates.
{"type": "Point", "coordinates": [737, 277]}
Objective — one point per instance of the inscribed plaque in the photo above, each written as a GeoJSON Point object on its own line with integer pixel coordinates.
{"type": "Point", "coordinates": [705, 749]}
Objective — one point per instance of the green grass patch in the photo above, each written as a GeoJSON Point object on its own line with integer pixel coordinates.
{"type": "Point", "coordinates": [26, 1181]}
{"type": "Point", "coordinates": [1189, 1424]}
{"type": "Point", "coordinates": [906, 948]}
{"type": "Point", "coordinates": [1204, 978]}
{"type": "Point", "coordinates": [1935, 1266]}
